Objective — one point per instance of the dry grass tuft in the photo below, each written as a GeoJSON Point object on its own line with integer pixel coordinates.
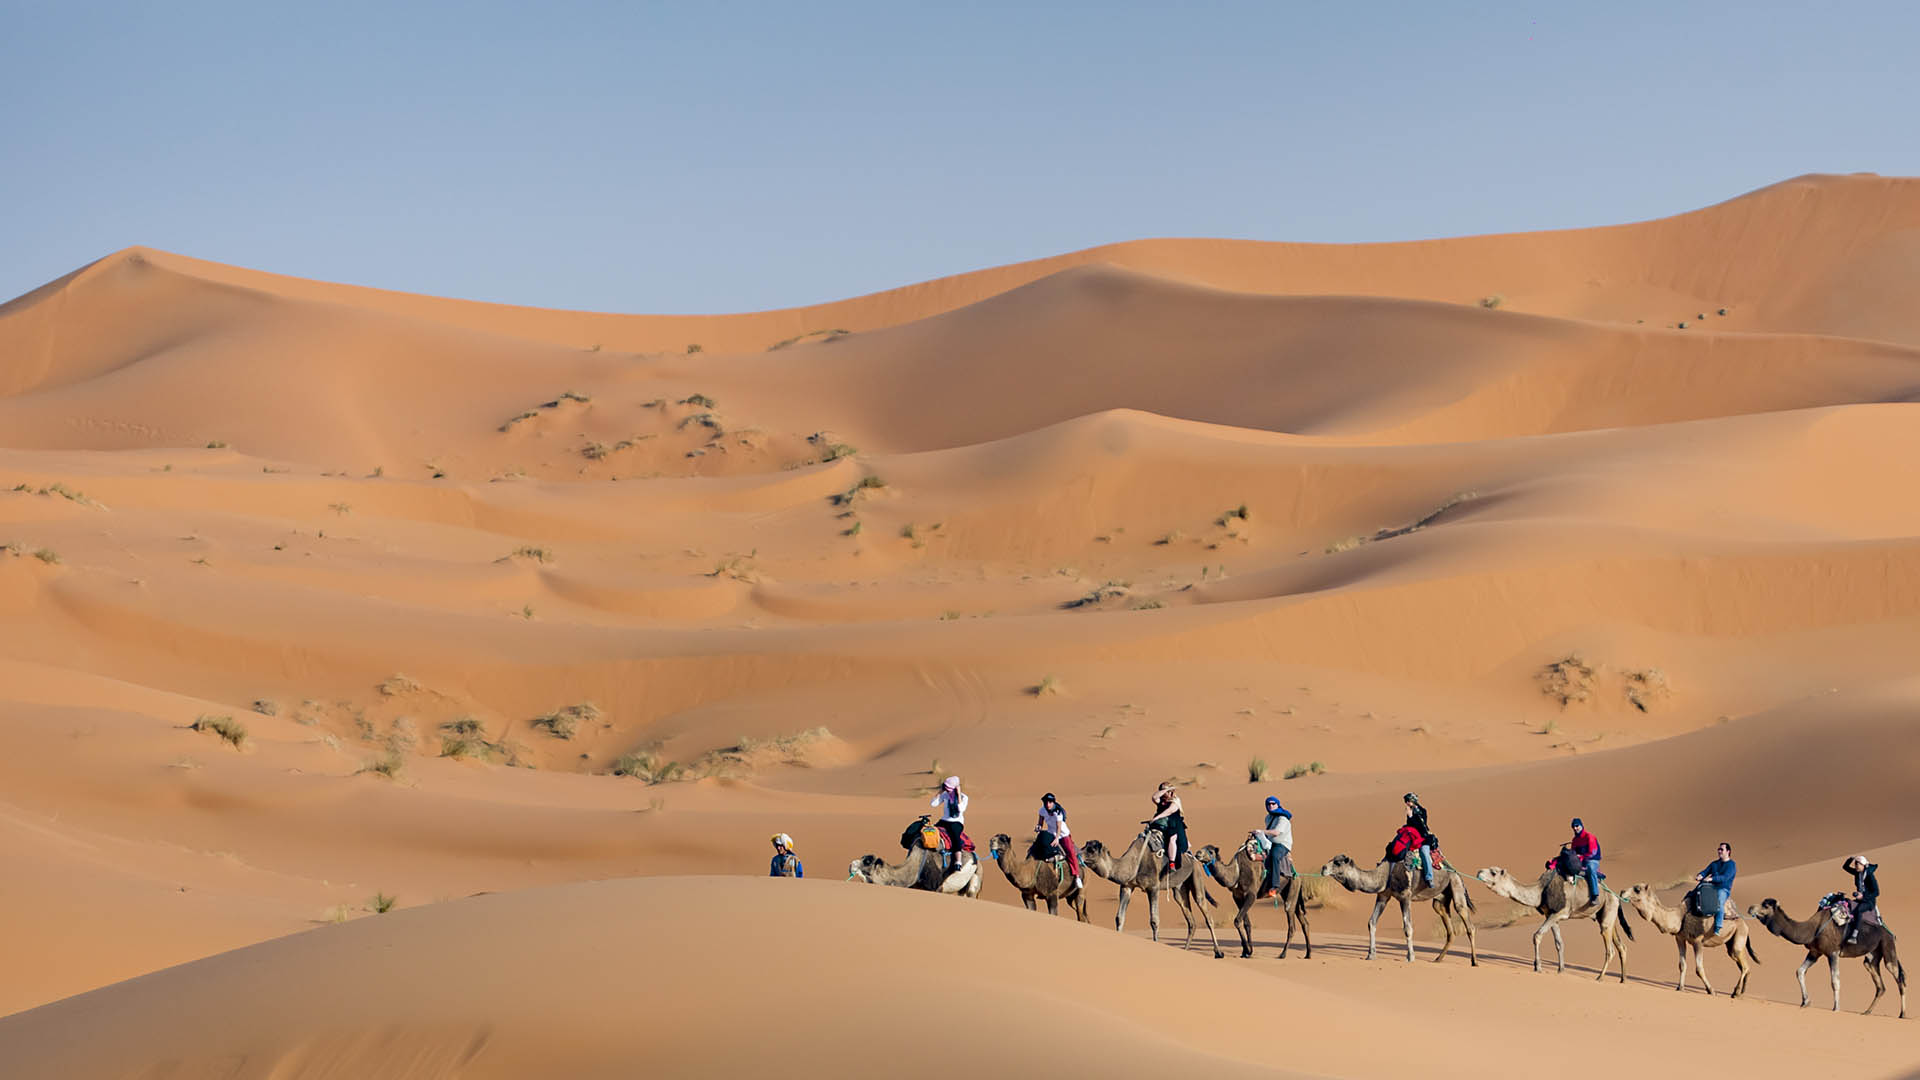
{"type": "Point", "coordinates": [1568, 679]}
{"type": "Point", "coordinates": [1646, 687]}
{"type": "Point", "coordinates": [1108, 591]}
{"type": "Point", "coordinates": [1257, 770]}
{"type": "Point", "coordinates": [395, 685]}
{"type": "Point", "coordinates": [233, 731]}
{"type": "Point", "coordinates": [699, 401]}
{"type": "Point", "coordinates": [1046, 687]}
{"type": "Point", "coordinates": [564, 722]}
{"type": "Point", "coordinates": [389, 765]}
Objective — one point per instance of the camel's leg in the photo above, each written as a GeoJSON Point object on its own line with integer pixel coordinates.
{"type": "Point", "coordinates": [1053, 905]}
{"type": "Point", "coordinates": [1536, 943]}
{"type": "Point", "coordinates": [1801, 974]}
{"type": "Point", "coordinates": [1120, 917]}
{"type": "Point", "coordinates": [1872, 961]}
{"type": "Point", "coordinates": [1243, 922]}
{"type": "Point", "coordinates": [1559, 951]}
{"type": "Point", "coordinates": [1446, 927]}
{"type": "Point", "coordinates": [1739, 962]}
{"type": "Point", "coordinates": [1700, 967]}
{"type": "Point", "coordinates": [1373, 920]}
{"type": "Point", "coordinates": [1473, 943]}
{"type": "Point", "coordinates": [1609, 938]}
{"type": "Point", "coordinates": [1833, 970]}
{"type": "Point", "coordinates": [1198, 899]}
{"type": "Point", "coordinates": [1079, 903]}
{"type": "Point", "coordinates": [1406, 925]}
{"type": "Point", "coordinates": [1153, 912]}
{"type": "Point", "coordinates": [1027, 899]}
{"type": "Point", "coordinates": [1681, 944]}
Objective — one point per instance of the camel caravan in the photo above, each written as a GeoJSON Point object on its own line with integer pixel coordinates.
{"type": "Point", "coordinates": [1159, 859]}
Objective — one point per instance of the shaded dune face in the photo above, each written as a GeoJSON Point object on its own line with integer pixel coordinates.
{"type": "Point", "coordinates": [486, 598]}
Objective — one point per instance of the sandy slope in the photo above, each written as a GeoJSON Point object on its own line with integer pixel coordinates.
{"type": "Point", "coordinates": [836, 978]}
{"type": "Point", "coordinates": [1217, 501]}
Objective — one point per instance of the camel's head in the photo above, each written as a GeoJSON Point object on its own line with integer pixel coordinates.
{"type": "Point", "coordinates": [1765, 909]}
{"type": "Point", "coordinates": [1000, 844]}
{"type": "Point", "coordinates": [1639, 893]}
{"type": "Point", "coordinates": [1093, 851]}
{"type": "Point", "coordinates": [1491, 875]}
{"type": "Point", "coordinates": [1339, 864]}
{"type": "Point", "coordinates": [861, 869]}
{"type": "Point", "coordinates": [1207, 853]}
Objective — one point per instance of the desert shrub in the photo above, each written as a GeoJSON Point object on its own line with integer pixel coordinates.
{"type": "Point", "coordinates": [852, 530]}
{"type": "Point", "coordinates": [1256, 770]}
{"type": "Point", "coordinates": [395, 685]}
{"type": "Point", "coordinates": [389, 765]}
{"type": "Point", "coordinates": [836, 451]}
{"type": "Point", "coordinates": [1646, 687]}
{"type": "Point", "coordinates": [649, 767]}
{"type": "Point", "coordinates": [217, 444]}
{"type": "Point", "coordinates": [47, 555]}
{"type": "Point", "coordinates": [1148, 605]}
{"type": "Point", "coordinates": [693, 348]}
{"type": "Point", "coordinates": [1099, 595]}
{"type": "Point", "coordinates": [699, 400]}
{"type": "Point", "coordinates": [1493, 301]}
{"type": "Point", "coordinates": [382, 903]}
{"type": "Point", "coordinates": [462, 725]}
{"type": "Point", "coordinates": [1348, 544]}
{"type": "Point", "coordinates": [1567, 680]}
{"type": "Point", "coordinates": [1046, 687]}
{"type": "Point", "coordinates": [461, 747]}
{"type": "Point", "coordinates": [233, 731]}
{"type": "Point", "coordinates": [564, 722]}
{"type": "Point", "coordinates": [537, 554]}
{"type": "Point", "coordinates": [266, 708]}
{"type": "Point", "coordinates": [1294, 772]}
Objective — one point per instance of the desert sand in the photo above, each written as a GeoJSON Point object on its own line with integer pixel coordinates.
{"type": "Point", "coordinates": [535, 624]}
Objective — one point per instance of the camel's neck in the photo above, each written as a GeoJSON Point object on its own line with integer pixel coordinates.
{"type": "Point", "coordinates": [1800, 933]}
{"type": "Point", "coordinates": [1659, 914]}
{"type": "Point", "coordinates": [1531, 895]}
{"type": "Point", "coordinates": [909, 872]}
{"type": "Point", "coordinates": [1019, 869]}
{"type": "Point", "coordinates": [1372, 881]}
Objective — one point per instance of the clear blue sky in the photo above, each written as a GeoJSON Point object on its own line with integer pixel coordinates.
{"type": "Point", "coordinates": [728, 156]}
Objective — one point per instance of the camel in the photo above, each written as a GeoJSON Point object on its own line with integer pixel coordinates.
{"type": "Point", "coordinates": [1693, 931]}
{"type": "Point", "coordinates": [1243, 875]}
{"type": "Point", "coordinates": [1822, 938]}
{"type": "Point", "coordinates": [921, 870]}
{"type": "Point", "coordinates": [1037, 879]}
{"type": "Point", "coordinates": [1450, 900]}
{"type": "Point", "coordinates": [1554, 896]}
{"type": "Point", "coordinates": [1143, 866]}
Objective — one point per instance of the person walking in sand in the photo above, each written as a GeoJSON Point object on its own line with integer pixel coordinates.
{"type": "Point", "coordinates": [952, 804]}
{"type": "Point", "coordinates": [1171, 823]}
{"type": "Point", "coordinates": [1053, 821]}
{"type": "Point", "coordinates": [785, 862]}
{"type": "Point", "coordinates": [1276, 836]}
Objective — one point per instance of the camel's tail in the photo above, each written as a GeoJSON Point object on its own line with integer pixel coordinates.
{"type": "Point", "coordinates": [1751, 955]}
{"type": "Point", "coordinates": [1627, 925]}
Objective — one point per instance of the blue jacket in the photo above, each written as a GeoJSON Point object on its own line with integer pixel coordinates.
{"type": "Point", "coordinates": [778, 871]}
{"type": "Point", "coordinates": [1720, 873]}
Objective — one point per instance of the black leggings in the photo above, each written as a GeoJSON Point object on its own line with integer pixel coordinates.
{"type": "Point", "coordinates": [1173, 832]}
{"type": "Point", "coordinates": [953, 830]}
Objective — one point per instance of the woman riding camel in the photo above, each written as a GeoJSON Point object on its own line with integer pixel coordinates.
{"type": "Point", "coordinates": [952, 804]}
{"type": "Point", "coordinates": [1866, 894]}
{"type": "Point", "coordinates": [1171, 823]}
{"type": "Point", "coordinates": [1053, 822]}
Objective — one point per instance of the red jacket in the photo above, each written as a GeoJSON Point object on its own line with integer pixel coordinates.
{"type": "Point", "coordinates": [1586, 846]}
{"type": "Point", "coordinates": [1407, 839]}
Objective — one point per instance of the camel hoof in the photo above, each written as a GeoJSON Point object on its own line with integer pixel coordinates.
{"type": "Point", "coordinates": [1218, 955]}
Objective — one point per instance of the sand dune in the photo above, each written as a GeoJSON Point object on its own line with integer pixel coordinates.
{"type": "Point", "coordinates": [1156, 509]}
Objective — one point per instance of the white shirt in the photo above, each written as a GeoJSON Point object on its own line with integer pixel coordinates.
{"type": "Point", "coordinates": [940, 800]}
{"type": "Point", "coordinates": [1054, 821]}
{"type": "Point", "coordinates": [1282, 833]}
